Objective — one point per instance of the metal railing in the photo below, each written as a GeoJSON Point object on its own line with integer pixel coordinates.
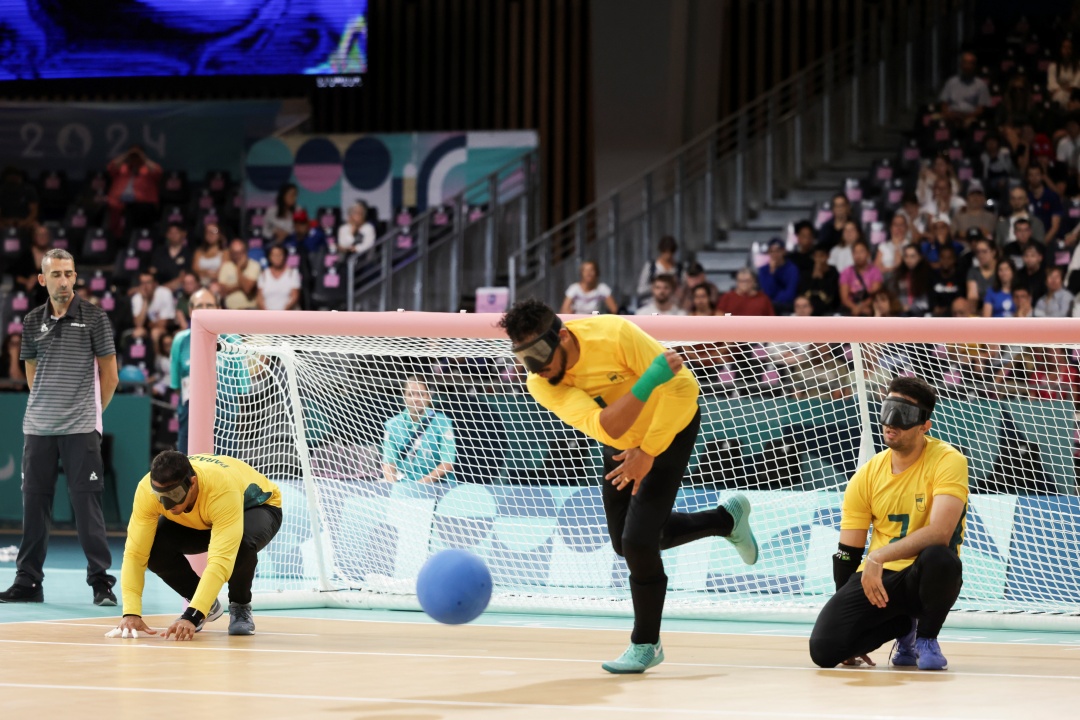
{"type": "Point", "coordinates": [449, 250]}
{"type": "Point", "coordinates": [743, 163]}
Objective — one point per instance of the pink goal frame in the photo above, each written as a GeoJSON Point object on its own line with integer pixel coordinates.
{"type": "Point", "coordinates": [206, 325]}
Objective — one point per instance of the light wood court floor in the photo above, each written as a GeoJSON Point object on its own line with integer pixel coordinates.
{"type": "Point", "coordinates": [298, 668]}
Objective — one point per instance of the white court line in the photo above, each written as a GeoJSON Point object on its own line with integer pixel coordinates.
{"type": "Point", "coordinates": [204, 630]}
{"type": "Point", "coordinates": [748, 634]}
{"type": "Point", "coordinates": [592, 709]}
{"type": "Point", "coordinates": [190, 646]}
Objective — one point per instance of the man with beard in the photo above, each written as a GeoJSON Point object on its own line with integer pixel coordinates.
{"type": "Point", "coordinates": [914, 494]}
{"type": "Point", "coordinates": [606, 377]}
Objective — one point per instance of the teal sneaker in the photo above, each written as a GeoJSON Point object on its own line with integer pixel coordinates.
{"type": "Point", "coordinates": [742, 537]}
{"type": "Point", "coordinates": [636, 659]}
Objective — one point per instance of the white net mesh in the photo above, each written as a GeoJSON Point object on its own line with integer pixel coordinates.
{"type": "Point", "coordinates": [786, 423]}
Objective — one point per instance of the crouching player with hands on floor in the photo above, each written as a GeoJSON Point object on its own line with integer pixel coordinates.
{"type": "Point", "coordinates": [189, 505]}
{"type": "Point", "coordinates": [914, 494]}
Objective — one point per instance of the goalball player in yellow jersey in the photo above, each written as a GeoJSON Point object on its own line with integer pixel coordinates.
{"type": "Point", "coordinates": [190, 505]}
{"type": "Point", "coordinates": [915, 495]}
{"type": "Point", "coordinates": [606, 377]}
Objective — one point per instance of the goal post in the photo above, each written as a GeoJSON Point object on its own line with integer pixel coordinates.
{"type": "Point", "coordinates": [789, 409]}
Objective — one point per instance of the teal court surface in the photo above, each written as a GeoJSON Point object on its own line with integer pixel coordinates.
{"type": "Point", "coordinates": [401, 665]}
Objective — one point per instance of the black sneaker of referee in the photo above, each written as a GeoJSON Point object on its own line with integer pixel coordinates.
{"type": "Point", "coordinates": [103, 594]}
{"type": "Point", "coordinates": [19, 593]}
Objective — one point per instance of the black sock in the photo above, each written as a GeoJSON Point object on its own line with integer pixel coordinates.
{"type": "Point", "coordinates": [725, 521]}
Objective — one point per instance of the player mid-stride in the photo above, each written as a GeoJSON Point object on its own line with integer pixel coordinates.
{"type": "Point", "coordinates": [606, 377]}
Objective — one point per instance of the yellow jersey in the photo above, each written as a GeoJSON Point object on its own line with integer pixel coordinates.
{"type": "Point", "coordinates": [899, 504]}
{"type": "Point", "coordinates": [227, 487]}
{"type": "Point", "coordinates": [614, 354]}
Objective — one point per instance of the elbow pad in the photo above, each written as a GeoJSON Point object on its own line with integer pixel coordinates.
{"type": "Point", "coordinates": [845, 562]}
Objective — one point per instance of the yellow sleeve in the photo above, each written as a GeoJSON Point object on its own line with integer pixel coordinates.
{"type": "Point", "coordinates": [141, 530]}
{"type": "Point", "coordinates": [951, 476]}
{"type": "Point", "coordinates": [855, 514]}
{"type": "Point", "coordinates": [572, 405]}
{"type": "Point", "coordinates": [226, 513]}
{"type": "Point", "coordinates": [676, 400]}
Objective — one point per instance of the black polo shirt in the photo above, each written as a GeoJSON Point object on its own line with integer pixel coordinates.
{"type": "Point", "coordinates": [66, 396]}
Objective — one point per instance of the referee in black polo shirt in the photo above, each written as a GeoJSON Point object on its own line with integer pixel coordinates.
{"type": "Point", "coordinates": [71, 369]}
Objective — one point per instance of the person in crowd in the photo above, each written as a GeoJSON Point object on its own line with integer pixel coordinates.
{"type": "Point", "coordinates": [1005, 232]}
{"type": "Point", "coordinates": [804, 307]}
{"type": "Point", "coordinates": [153, 306]}
{"type": "Point", "coordinates": [356, 234]}
{"type": "Point", "coordinates": [840, 257]}
{"type": "Point", "coordinates": [28, 265]}
{"type": "Point", "coordinates": [947, 283]}
{"type": "Point", "coordinates": [998, 301]}
{"type": "Point", "coordinates": [703, 301]}
{"type": "Point", "coordinates": [1057, 302]}
{"type": "Point", "coordinates": [663, 264]}
{"type": "Point", "coordinates": [1014, 250]}
{"type": "Point", "coordinates": [1067, 154]}
{"type": "Point", "coordinates": [169, 261]}
{"type": "Point", "coordinates": [70, 359]}
{"type": "Point", "coordinates": [831, 233]}
{"type": "Point", "coordinates": [239, 278]}
{"type": "Point", "coordinates": [1063, 75]}
{"type": "Point", "coordinates": [940, 236]}
{"type": "Point", "coordinates": [975, 214]}
{"type": "Point", "coordinates": [189, 285]}
{"type": "Point", "coordinates": [1017, 106]}
{"type": "Point", "coordinates": [961, 308]}
{"type": "Point", "coordinates": [745, 299]}
{"type": "Point", "coordinates": [859, 282]}
{"type": "Point", "coordinates": [965, 96]}
{"type": "Point", "coordinates": [694, 276]}
{"type": "Point", "coordinates": [1045, 204]}
{"type": "Point", "coordinates": [914, 495]}
{"type": "Point", "coordinates": [911, 282]}
{"type": "Point", "coordinates": [821, 284]}
{"type": "Point", "coordinates": [944, 202]}
{"type": "Point", "coordinates": [18, 200]}
{"type": "Point", "coordinates": [779, 278]}
{"type": "Point", "coordinates": [911, 209]}
{"type": "Point", "coordinates": [890, 253]}
{"type": "Point", "coordinates": [307, 237]}
{"type": "Point", "coordinates": [134, 198]}
{"type": "Point", "coordinates": [996, 166]}
{"type": "Point", "coordinates": [278, 221]}
{"type": "Point", "coordinates": [189, 505]}
{"type": "Point", "coordinates": [588, 294]}
{"type": "Point", "coordinates": [1032, 274]}
{"type": "Point", "coordinates": [805, 241]}
{"type": "Point", "coordinates": [11, 370]}
{"type": "Point", "coordinates": [663, 298]}
{"type": "Point", "coordinates": [885, 304]}
{"type": "Point", "coordinates": [1021, 297]}
{"type": "Point", "coordinates": [940, 169]}
{"type": "Point", "coordinates": [418, 443]}
{"type": "Point", "coordinates": [279, 285]}
{"type": "Point", "coordinates": [981, 275]}
{"type": "Point", "coordinates": [210, 255]}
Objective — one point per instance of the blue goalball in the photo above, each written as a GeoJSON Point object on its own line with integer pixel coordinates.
{"type": "Point", "coordinates": [454, 586]}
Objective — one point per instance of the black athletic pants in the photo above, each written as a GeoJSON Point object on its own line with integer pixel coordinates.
{"type": "Point", "coordinates": [849, 625]}
{"type": "Point", "coordinates": [85, 471]}
{"type": "Point", "coordinates": [172, 542]}
{"type": "Point", "coordinates": [642, 525]}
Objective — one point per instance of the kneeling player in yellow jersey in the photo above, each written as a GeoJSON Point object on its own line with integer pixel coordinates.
{"type": "Point", "coordinates": [915, 495]}
{"type": "Point", "coordinates": [606, 377]}
{"type": "Point", "coordinates": [190, 505]}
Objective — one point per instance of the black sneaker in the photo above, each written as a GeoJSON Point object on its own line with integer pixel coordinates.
{"type": "Point", "coordinates": [103, 595]}
{"type": "Point", "coordinates": [23, 593]}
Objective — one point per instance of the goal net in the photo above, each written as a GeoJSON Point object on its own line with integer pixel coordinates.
{"type": "Point", "coordinates": [788, 413]}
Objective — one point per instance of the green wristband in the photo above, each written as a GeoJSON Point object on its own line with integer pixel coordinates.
{"type": "Point", "coordinates": [654, 376]}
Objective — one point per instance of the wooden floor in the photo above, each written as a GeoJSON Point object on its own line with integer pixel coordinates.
{"type": "Point", "coordinates": [298, 668]}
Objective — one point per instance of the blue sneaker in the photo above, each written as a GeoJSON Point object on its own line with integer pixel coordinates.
{"type": "Point", "coordinates": [637, 658]}
{"type": "Point", "coordinates": [742, 537]}
{"type": "Point", "coordinates": [929, 652]}
{"type": "Point", "coordinates": [903, 652]}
